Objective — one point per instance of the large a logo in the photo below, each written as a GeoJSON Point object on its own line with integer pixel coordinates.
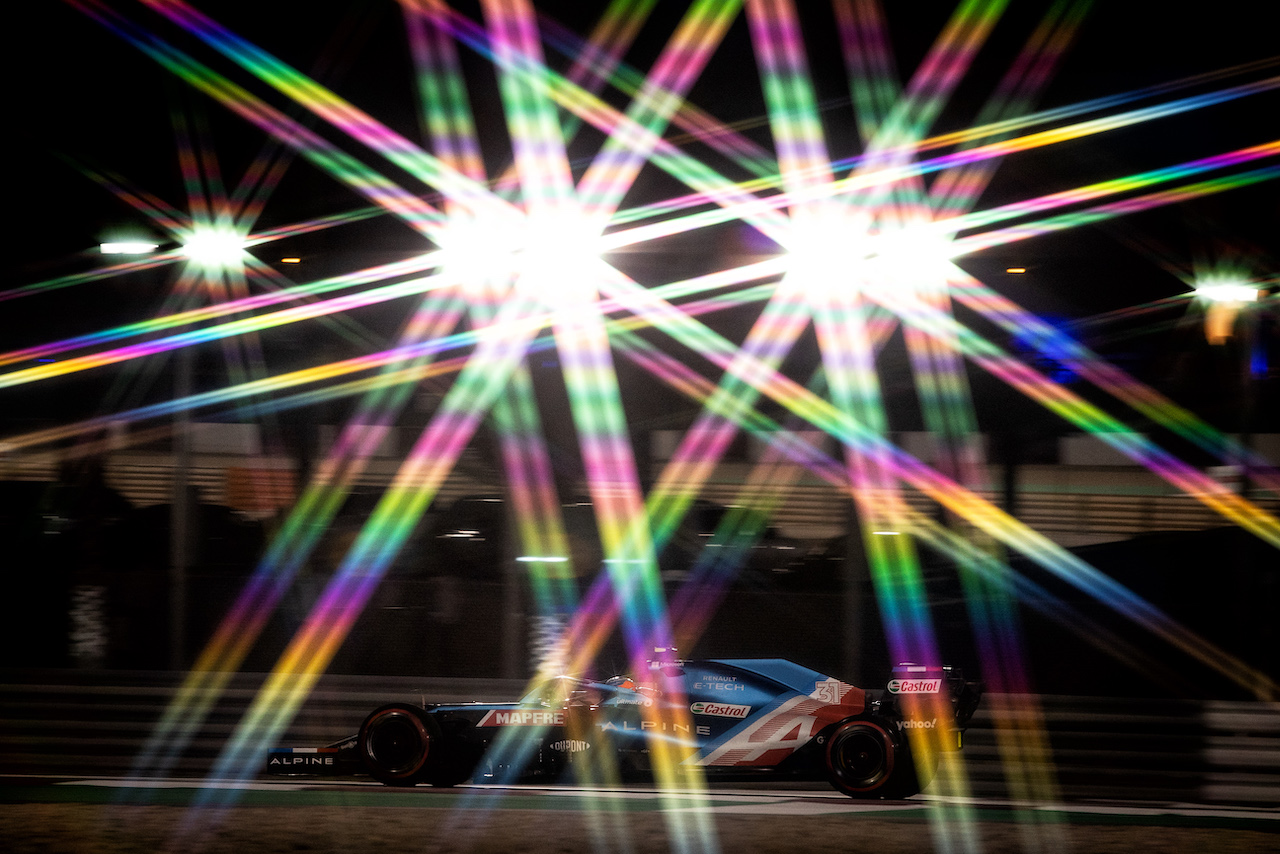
{"type": "Point", "coordinates": [915, 686]}
{"type": "Point", "coordinates": [720, 710]}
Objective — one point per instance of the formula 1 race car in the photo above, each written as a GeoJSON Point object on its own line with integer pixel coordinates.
{"type": "Point", "coordinates": [734, 718]}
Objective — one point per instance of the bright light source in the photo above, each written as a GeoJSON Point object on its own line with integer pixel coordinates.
{"type": "Point", "coordinates": [290, 260]}
{"type": "Point", "coordinates": [824, 252]}
{"type": "Point", "coordinates": [1227, 291]}
{"type": "Point", "coordinates": [551, 258]}
{"type": "Point", "coordinates": [886, 533]}
{"type": "Point", "coordinates": [1015, 269]}
{"type": "Point", "coordinates": [914, 255]}
{"type": "Point", "coordinates": [215, 247]}
{"type": "Point", "coordinates": [128, 247]}
{"type": "Point", "coordinates": [1226, 295]}
{"type": "Point", "coordinates": [560, 258]}
{"type": "Point", "coordinates": [479, 250]}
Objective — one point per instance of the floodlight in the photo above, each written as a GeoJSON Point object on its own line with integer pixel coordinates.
{"type": "Point", "coordinates": [128, 247]}
{"type": "Point", "coordinates": [478, 250]}
{"type": "Point", "coordinates": [915, 253]}
{"type": "Point", "coordinates": [215, 247]}
{"type": "Point", "coordinates": [1225, 296]}
{"type": "Point", "coordinates": [823, 251]}
{"type": "Point", "coordinates": [560, 251]}
{"type": "Point", "coordinates": [1227, 292]}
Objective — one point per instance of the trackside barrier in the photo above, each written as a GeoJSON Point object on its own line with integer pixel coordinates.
{"type": "Point", "coordinates": [95, 722]}
{"type": "Point", "coordinates": [91, 723]}
{"type": "Point", "coordinates": [1110, 748]}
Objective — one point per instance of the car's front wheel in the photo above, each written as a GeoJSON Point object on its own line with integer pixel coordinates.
{"type": "Point", "coordinates": [395, 743]}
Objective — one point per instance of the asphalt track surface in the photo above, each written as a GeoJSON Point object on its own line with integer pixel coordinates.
{"type": "Point", "coordinates": [192, 816]}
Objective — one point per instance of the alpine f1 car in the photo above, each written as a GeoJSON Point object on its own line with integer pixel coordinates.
{"type": "Point", "coordinates": [759, 717]}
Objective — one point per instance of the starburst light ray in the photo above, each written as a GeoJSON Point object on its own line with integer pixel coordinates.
{"type": "Point", "coordinates": [595, 402]}
{"type": "Point", "coordinates": [310, 145]}
{"type": "Point", "coordinates": [961, 246]}
{"type": "Point", "coordinates": [801, 452]}
{"type": "Point", "coordinates": [939, 377]}
{"type": "Point", "coordinates": [290, 549]}
{"type": "Point", "coordinates": [1142, 398]}
{"type": "Point", "coordinates": [160, 259]}
{"type": "Point", "coordinates": [460, 340]}
{"type": "Point", "coordinates": [802, 199]}
{"type": "Point", "coordinates": [222, 331]}
{"type": "Point", "coordinates": [430, 460]}
{"type": "Point", "coordinates": [802, 156]}
{"type": "Point", "coordinates": [538, 517]}
{"type": "Point", "coordinates": [861, 178]}
{"type": "Point", "coordinates": [1139, 115]}
{"type": "Point", "coordinates": [243, 305]}
{"type": "Point", "coordinates": [751, 158]}
{"type": "Point", "coordinates": [954, 497]}
{"type": "Point", "coordinates": [1087, 416]}
{"type": "Point", "coordinates": [54, 369]}
{"type": "Point", "coordinates": [1021, 728]}
{"type": "Point", "coordinates": [351, 120]}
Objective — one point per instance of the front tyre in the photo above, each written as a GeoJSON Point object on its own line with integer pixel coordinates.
{"type": "Point", "coordinates": [865, 760]}
{"type": "Point", "coordinates": [395, 742]}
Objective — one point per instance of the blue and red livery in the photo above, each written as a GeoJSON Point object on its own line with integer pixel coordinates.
{"type": "Point", "coordinates": [733, 718]}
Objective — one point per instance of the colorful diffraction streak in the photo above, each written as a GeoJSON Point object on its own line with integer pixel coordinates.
{"type": "Point", "coordinates": [291, 548]}
{"type": "Point", "coordinates": [978, 512]}
{"type": "Point", "coordinates": [511, 263]}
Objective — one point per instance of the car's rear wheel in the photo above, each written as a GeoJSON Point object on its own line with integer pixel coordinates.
{"type": "Point", "coordinates": [863, 760]}
{"type": "Point", "coordinates": [395, 744]}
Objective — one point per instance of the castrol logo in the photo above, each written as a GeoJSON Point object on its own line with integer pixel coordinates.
{"type": "Point", "coordinates": [915, 686]}
{"type": "Point", "coordinates": [720, 710]}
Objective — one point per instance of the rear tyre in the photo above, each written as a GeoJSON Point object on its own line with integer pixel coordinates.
{"type": "Point", "coordinates": [395, 742]}
{"type": "Point", "coordinates": [865, 760]}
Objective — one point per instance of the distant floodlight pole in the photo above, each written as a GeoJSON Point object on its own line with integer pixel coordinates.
{"type": "Point", "coordinates": [214, 249]}
{"type": "Point", "coordinates": [128, 247]}
{"type": "Point", "coordinates": [91, 634]}
{"type": "Point", "coordinates": [1225, 298]}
